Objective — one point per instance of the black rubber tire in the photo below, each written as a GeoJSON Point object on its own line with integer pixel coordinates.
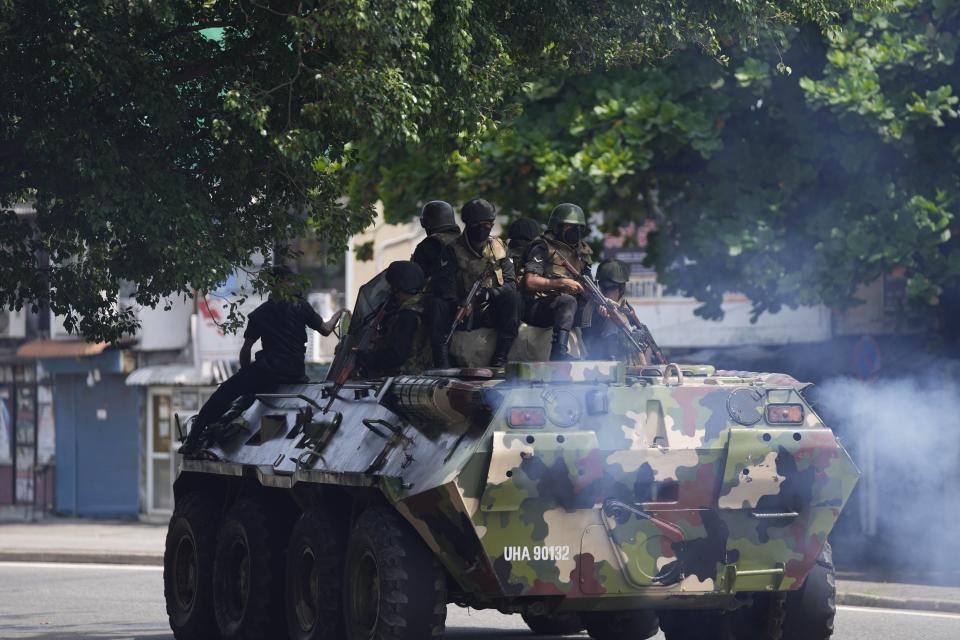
{"type": "Point", "coordinates": [188, 567]}
{"type": "Point", "coordinates": [811, 610]}
{"type": "Point", "coordinates": [393, 587]}
{"type": "Point", "coordinates": [314, 578]}
{"type": "Point", "coordinates": [247, 575]}
{"type": "Point", "coordinates": [637, 624]}
{"type": "Point", "coordinates": [754, 621]}
{"type": "Point", "coordinates": [556, 624]}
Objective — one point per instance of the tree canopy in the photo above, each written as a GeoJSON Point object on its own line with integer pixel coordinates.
{"type": "Point", "coordinates": [802, 169]}
{"type": "Point", "coordinates": [163, 143]}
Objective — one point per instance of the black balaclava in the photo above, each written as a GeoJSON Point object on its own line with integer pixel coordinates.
{"type": "Point", "coordinates": [572, 236]}
{"type": "Point", "coordinates": [478, 233]}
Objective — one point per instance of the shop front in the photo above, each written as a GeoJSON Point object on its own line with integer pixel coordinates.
{"type": "Point", "coordinates": [27, 439]}
{"type": "Point", "coordinates": [171, 390]}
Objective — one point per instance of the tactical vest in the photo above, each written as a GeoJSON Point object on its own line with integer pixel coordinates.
{"type": "Point", "coordinates": [445, 238]}
{"type": "Point", "coordinates": [516, 255]}
{"type": "Point", "coordinates": [579, 257]}
{"type": "Point", "coordinates": [615, 343]}
{"type": "Point", "coordinates": [470, 264]}
{"type": "Point", "coordinates": [420, 357]}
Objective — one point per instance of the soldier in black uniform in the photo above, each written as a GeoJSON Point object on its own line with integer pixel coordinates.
{"type": "Point", "coordinates": [439, 220]}
{"type": "Point", "coordinates": [552, 296]}
{"type": "Point", "coordinates": [497, 305]}
{"type": "Point", "coordinates": [400, 345]}
{"type": "Point", "coordinates": [280, 325]}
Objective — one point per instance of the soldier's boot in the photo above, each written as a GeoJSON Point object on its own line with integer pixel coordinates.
{"type": "Point", "coordinates": [502, 352]}
{"type": "Point", "coordinates": [193, 443]}
{"type": "Point", "coordinates": [559, 349]}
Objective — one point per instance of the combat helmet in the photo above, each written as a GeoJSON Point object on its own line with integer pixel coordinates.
{"type": "Point", "coordinates": [437, 215]}
{"type": "Point", "coordinates": [566, 213]}
{"type": "Point", "coordinates": [612, 272]}
{"type": "Point", "coordinates": [477, 210]}
{"type": "Point", "coordinates": [523, 230]}
{"type": "Point", "coordinates": [405, 276]}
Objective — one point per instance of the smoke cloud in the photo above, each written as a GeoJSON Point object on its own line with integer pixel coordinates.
{"type": "Point", "coordinates": [904, 434]}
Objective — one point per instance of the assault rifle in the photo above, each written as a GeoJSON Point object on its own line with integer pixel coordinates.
{"type": "Point", "coordinates": [462, 309]}
{"type": "Point", "coordinates": [645, 336]}
{"type": "Point", "coordinates": [349, 363]}
{"type": "Point", "coordinates": [613, 311]}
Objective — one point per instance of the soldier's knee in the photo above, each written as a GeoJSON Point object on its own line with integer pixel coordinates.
{"type": "Point", "coordinates": [509, 298]}
{"type": "Point", "coordinates": [566, 301]}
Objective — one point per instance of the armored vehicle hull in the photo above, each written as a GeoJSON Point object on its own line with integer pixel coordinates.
{"type": "Point", "coordinates": [577, 494]}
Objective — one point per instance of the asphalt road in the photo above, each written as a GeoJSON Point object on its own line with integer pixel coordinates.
{"type": "Point", "coordinates": [54, 601]}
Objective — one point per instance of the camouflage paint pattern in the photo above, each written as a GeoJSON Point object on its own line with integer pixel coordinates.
{"type": "Point", "coordinates": [604, 484]}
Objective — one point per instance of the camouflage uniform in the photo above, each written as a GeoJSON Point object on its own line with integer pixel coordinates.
{"type": "Point", "coordinates": [461, 265]}
{"type": "Point", "coordinates": [604, 339]}
{"type": "Point", "coordinates": [556, 309]}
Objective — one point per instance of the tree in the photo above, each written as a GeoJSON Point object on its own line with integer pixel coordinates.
{"type": "Point", "coordinates": [165, 143]}
{"type": "Point", "coordinates": [792, 182]}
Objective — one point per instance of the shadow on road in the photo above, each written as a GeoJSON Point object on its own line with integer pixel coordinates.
{"type": "Point", "coordinates": [462, 633]}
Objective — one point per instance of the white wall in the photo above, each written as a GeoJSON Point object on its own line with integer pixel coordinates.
{"type": "Point", "coordinates": [162, 329]}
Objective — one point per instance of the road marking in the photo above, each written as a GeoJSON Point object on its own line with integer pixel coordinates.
{"type": "Point", "coordinates": [901, 612]}
{"type": "Point", "coordinates": [81, 565]}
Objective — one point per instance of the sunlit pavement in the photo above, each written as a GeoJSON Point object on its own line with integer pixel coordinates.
{"type": "Point", "coordinates": [50, 601]}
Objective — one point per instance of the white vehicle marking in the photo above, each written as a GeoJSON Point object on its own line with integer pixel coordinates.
{"type": "Point", "coordinates": [525, 554]}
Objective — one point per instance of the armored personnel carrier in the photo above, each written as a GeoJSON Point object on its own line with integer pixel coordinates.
{"type": "Point", "coordinates": [580, 495]}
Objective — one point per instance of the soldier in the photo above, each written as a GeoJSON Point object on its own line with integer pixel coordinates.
{"type": "Point", "coordinates": [552, 295]}
{"type": "Point", "coordinates": [400, 344]}
{"type": "Point", "coordinates": [521, 233]}
{"type": "Point", "coordinates": [438, 219]}
{"type": "Point", "coordinates": [462, 263]}
{"type": "Point", "coordinates": [280, 325]}
{"type": "Point", "coordinates": [604, 339]}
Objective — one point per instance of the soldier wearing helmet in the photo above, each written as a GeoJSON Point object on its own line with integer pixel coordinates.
{"type": "Point", "coordinates": [400, 345]}
{"type": "Point", "coordinates": [521, 233]}
{"type": "Point", "coordinates": [439, 221]}
{"type": "Point", "coordinates": [462, 263]}
{"type": "Point", "coordinates": [552, 297]}
{"type": "Point", "coordinates": [603, 338]}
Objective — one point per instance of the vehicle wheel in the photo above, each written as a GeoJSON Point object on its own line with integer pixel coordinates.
{"type": "Point", "coordinates": [393, 587]}
{"type": "Point", "coordinates": [811, 610]}
{"type": "Point", "coordinates": [188, 567]}
{"type": "Point", "coordinates": [557, 624]}
{"type": "Point", "coordinates": [247, 575]}
{"type": "Point", "coordinates": [638, 624]}
{"type": "Point", "coordinates": [314, 578]}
